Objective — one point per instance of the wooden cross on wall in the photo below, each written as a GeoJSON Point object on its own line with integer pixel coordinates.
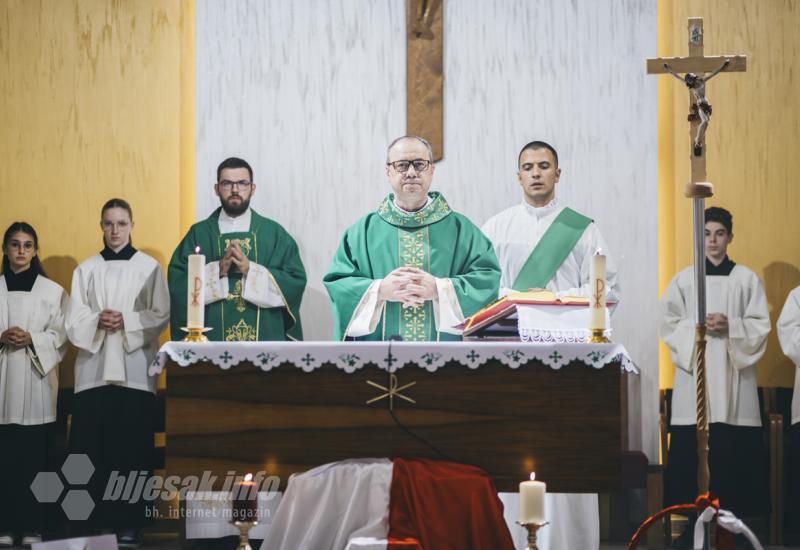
{"type": "Point", "coordinates": [424, 75]}
{"type": "Point", "coordinates": [702, 68]}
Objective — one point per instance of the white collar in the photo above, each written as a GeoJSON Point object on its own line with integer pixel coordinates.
{"type": "Point", "coordinates": [541, 211]}
{"type": "Point", "coordinates": [239, 221]}
{"type": "Point", "coordinates": [403, 210]}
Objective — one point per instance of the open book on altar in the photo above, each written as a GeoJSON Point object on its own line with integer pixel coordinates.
{"type": "Point", "coordinates": [535, 316]}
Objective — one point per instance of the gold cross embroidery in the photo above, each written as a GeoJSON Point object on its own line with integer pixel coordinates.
{"type": "Point", "coordinates": [236, 296]}
{"type": "Point", "coordinates": [391, 392]}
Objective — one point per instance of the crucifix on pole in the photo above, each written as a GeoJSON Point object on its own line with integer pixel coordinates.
{"type": "Point", "coordinates": [699, 70]}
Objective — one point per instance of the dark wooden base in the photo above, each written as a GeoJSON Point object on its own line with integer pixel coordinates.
{"type": "Point", "coordinates": [567, 425]}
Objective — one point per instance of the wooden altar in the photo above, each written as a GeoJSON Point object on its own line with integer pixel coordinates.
{"type": "Point", "coordinates": [569, 425]}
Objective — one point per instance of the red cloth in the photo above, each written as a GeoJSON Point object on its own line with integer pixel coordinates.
{"type": "Point", "coordinates": [445, 506]}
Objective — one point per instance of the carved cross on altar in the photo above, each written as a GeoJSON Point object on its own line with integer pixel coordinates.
{"type": "Point", "coordinates": [699, 69]}
{"type": "Point", "coordinates": [424, 76]}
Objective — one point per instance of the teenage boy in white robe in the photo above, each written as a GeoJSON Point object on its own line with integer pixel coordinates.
{"type": "Point", "coordinates": [119, 307]}
{"type": "Point", "coordinates": [32, 343]}
{"type": "Point", "coordinates": [789, 337]}
{"type": "Point", "coordinates": [540, 243]}
{"type": "Point", "coordinates": [737, 329]}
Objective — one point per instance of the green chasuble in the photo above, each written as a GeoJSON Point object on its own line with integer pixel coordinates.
{"type": "Point", "coordinates": [233, 319]}
{"type": "Point", "coordinates": [436, 240]}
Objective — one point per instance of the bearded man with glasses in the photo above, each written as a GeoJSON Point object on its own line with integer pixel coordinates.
{"type": "Point", "coordinates": [414, 268]}
{"type": "Point", "coordinates": [254, 278]}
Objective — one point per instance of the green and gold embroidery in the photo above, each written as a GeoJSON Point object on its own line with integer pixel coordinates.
{"type": "Point", "coordinates": [244, 244]}
{"type": "Point", "coordinates": [435, 211]}
{"type": "Point", "coordinates": [236, 296]}
{"type": "Point", "coordinates": [414, 251]}
{"type": "Point", "coordinates": [241, 332]}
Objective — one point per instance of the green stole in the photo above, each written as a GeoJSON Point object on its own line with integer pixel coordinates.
{"type": "Point", "coordinates": [239, 320]}
{"type": "Point", "coordinates": [415, 324]}
{"type": "Point", "coordinates": [551, 250]}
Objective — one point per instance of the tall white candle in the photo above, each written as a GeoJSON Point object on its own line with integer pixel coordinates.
{"type": "Point", "coordinates": [531, 500]}
{"type": "Point", "coordinates": [195, 304]}
{"type": "Point", "coordinates": [597, 280]}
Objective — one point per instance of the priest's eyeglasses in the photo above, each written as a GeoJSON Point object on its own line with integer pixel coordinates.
{"type": "Point", "coordinates": [420, 165]}
{"type": "Point", "coordinates": [228, 185]}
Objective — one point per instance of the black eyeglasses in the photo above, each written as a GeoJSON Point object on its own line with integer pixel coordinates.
{"type": "Point", "coordinates": [228, 185]}
{"type": "Point", "coordinates": [419, 165]}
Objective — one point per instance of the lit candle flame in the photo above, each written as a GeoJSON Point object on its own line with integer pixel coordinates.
{"type": "Point", "coordinates": [599, 252]}
{"type": "Point", "coordinates": [533, 476]}
{"type": "Point", "coordinates": [197, 250]}
{"type": "Point", "coordinates": [248, 477]}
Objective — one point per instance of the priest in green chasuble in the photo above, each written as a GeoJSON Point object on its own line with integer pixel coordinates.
{"type": "Point", "coordinates": [414, 268]}
{"type": "Point", "coordinates": [254, 278]}
{"type": "Point", "coordinates": [540, 243]}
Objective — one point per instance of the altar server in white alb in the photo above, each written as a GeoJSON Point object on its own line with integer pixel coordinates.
{"type": "Point", "coordinates": [737, 327]}
{"type": "Point", "coordinates": [541, 243]}
{"type": "Point", "coordinates": [32, 343]}
{"type": "Point", "coordinates": [119, 307]}
{"type": "Point", "coordinates": [789, 337]}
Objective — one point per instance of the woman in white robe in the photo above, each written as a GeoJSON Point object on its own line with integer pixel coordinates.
{"type": "Point", "coordinates": [738, 325]}
{"type": "Point", "coordinates": [32, 343]}
{"type": "Point", "coordinates": [119, 307]}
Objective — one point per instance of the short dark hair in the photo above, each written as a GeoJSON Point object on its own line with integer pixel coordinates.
{"type": "Point", "coordinates": [28, 229]}
{"type": "Point", "coordinates": [538, 145]}
{"type": "Point", "coordinates": [721, 216]}
{"type": "Point", "coordinates": [234, 162]}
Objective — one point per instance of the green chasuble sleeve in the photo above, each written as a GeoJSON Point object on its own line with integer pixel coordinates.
{"type": "Point", "coordinates": [234, 319]}
{"type": "Point", "coordinates": [437, 240]}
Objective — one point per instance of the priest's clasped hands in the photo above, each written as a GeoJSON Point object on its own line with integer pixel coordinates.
{"type": "Point", "coordinates": [111, 321]}
{"type": "Point", "coordinates": [717, 324]}
{"type": "Point", "coordinates": [16, 336]}
{"type": "Point", "coordinates": [408, 285]}
{"type": "Point", "coordinates": [235, 256]}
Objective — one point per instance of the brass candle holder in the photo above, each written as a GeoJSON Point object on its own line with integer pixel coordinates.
{"type": "Point", "coordinates": [598, 336]}
{"type": "Point", "coordinates": [244, 533]}
{"type": "Point", "coordinates": [195, 334]}
{"type": "Point", "coordinates": [532, 530]}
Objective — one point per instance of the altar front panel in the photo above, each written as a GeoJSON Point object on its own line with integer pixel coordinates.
{"type": "Point", "coordinates": [567, 424]}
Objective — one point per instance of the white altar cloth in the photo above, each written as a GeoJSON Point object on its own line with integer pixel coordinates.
{"type": "Point", "coordinates": [352, 356]}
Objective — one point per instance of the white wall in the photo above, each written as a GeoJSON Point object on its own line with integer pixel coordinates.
{"type": "Point", "coordinates": [310, 92]}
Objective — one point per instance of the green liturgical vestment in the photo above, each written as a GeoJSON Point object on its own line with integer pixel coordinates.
{"type": "Point", "coordinates": [553, 248]}
{"type": "Point", "coordinates": [233, 318]}
{"type": "Point", "coordinates": [436, 240]}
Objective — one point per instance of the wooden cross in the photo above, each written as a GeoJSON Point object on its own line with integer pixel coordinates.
{"type": "Point", "coordinates": [699, 69]}
{"type": "Point", "coordinates": [703, 68]}
{"type": "Point", "coordinates": [424, 76]}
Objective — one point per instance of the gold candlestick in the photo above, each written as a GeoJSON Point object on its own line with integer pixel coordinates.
{"type": "Point", "coordinates": [244, 533]}
{"type": "Point", "coordinates": [599, 337]}
{"type": "Point", "coordinates": [195, 334]}
{"type": "Point", "coordinates": [532, 529]}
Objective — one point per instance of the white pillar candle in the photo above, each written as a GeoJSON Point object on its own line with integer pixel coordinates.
{"type": "Point", "coordinates": [531, 500]}
{"type": "Point", "coordinates": [195, 304]}
{"type": "Point", "coordinates": [597, 280]}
